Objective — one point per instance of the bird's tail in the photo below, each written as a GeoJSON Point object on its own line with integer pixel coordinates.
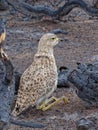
{"type": "Point", "coordinates": [29, 124]}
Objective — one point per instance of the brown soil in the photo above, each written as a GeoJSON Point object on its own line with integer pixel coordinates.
{"type": "Point", "coordinates": [81, 46]}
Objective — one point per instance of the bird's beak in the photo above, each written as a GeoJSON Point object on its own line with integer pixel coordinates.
{"type": "Point", "coordinates": [57, 39]}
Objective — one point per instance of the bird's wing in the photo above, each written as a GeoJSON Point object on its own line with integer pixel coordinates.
{"type": "Point", "coordinates": [46, 82]}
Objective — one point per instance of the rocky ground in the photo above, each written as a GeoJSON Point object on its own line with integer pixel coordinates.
{"type": "Point", "coordinates": [81, 46]}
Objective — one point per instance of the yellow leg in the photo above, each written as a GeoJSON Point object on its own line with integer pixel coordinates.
{"type": "Point", "coordinates": [44, 103]}
{"type": "Point", "coordinates": [40, 106]}
{"type": "Point", "coordinates": [44, 106]}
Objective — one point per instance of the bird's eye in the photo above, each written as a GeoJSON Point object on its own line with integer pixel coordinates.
{"type": "Point", "coordinates": [53, 38]}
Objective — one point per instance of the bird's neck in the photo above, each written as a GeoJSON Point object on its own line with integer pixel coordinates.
{"type": "Point", "coordinates": [45, 55]}
{"type": "Point", "coordinates": [45, 51]}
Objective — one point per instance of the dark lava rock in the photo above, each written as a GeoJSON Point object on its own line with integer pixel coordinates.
{"type": "Point", "coordinates": [86, 124]}
{"type": "Point", "coordinates": [63, 73]}
{"type": "Point", "coordinates": [85, 78]}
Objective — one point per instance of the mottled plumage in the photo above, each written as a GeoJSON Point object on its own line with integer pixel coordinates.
{"type": "Point", "coordinates": [39, 80]}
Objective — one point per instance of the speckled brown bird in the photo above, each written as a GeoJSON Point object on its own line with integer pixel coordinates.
{"type": "Point", "coordinates": [39, 80]}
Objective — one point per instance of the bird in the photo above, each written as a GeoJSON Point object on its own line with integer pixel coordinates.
{"type": "Point", "coordinates": [39, 80]}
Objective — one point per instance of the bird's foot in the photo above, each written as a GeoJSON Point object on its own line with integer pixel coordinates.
{"type": "Point", "coordinates": [40, 107]}
{"type": "Point", "coordinates": [47, 104]}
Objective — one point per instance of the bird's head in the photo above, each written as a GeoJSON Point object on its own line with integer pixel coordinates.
{"type": "Point", "coordinates": [49, 40]}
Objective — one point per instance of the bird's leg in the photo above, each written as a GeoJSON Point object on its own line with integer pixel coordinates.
{"type": "Point", "coordinates": [46, 102]}
{"type": "Point", "coordinates": [56, 101]}
{"type": "Point", "coordinates": [45, 105]}
{"type": "Point", "coordinates": [40, 107]}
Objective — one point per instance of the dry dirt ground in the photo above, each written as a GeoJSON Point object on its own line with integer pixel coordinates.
{"type": "Point", "coordinates": [82, 46]}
